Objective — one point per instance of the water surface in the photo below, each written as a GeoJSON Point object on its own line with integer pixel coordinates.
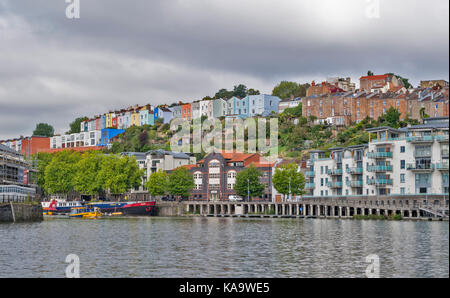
{"type": "Point", "coordinates": [224, 247]}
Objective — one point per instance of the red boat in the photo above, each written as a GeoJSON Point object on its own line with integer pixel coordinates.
{"type": "Point", "coordinates": [139, 208]}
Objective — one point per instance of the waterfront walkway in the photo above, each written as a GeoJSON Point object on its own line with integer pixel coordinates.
{"type": "Point", "coordinates": [407, 207]}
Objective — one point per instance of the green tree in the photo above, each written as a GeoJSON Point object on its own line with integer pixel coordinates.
{"type": "Point", "coordinates": [223, 93]}
{"type": "Point", "coordinates": [253, 92]}
{"type": "Point", "coordinates": [75, 126]}
{"type": "Point", "coordinates": [288, 175]}
{"type": "Point", "coordinates": [287, 89]}
{"type": "Point", "coordinates": [118, 174]}
{"type": "Point", "coordinates": [44, 130]}
{"type": "Point", "coordinates": [369, 73]}
{"type": "Point", "coordinates": [240, 91]}
{"type": "Point", "coordinates": [247, 182]}
{"type": "Point", "coordinates": [60, 172]}
{"type": "Point", "coordinates": [157, 183]}
{"type": "Point", "coordinates": [86, 179]}
{"type": "Point", "coordinates": [42, 160]}
{"type": "Point", "coordinates": [180, 183]}
{"type": "Point", "coordinates": [390, 118]}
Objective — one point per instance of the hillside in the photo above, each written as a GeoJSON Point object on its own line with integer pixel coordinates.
{"type": "Point", "coordinates": [297, 134]}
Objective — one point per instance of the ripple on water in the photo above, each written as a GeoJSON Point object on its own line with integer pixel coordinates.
{"type": "Point", "coordinates": [224, 247]}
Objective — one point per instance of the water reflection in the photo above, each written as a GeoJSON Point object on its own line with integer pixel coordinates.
{"type": "Point", "coordinates": [224, 247]}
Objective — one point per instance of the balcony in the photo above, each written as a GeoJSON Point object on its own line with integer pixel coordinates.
{"type": "Point", "coordinates": [442, 139]}
{"type": "Point", "coordinates": [442, 166]}
{"type": "Point", "coordinates": [422, 154]}
{"type": "Point", "coordinates": [379, 169]}
{"type": "Point", "coordinates": [420, 167]}
{"type": "Point", "coordinates": [335, 172]}
{"type": "Point", "coordinates": [379, 155]}
{"type": "Point", "coordinates": [444, 153]}
{"type": "Point", "coordinates": [380, 182]}
{"type": "Point", "coordinates": [310, 185]}
{"type": "Point", "coordinates": [355, 184]}
{"type": "Point", "coordinates": [420, 139]}
{"type": "Point", "coordinates": [335, 184]}
{"type": "Point", "coordinates": [310, 174]}
{"type": "Point", "coordinates": [355, 171]}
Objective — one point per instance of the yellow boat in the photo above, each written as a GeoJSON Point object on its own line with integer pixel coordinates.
{"type": "Point", "coordinates": [85, 212]}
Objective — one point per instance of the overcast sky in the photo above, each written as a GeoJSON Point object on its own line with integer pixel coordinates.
{"type": "Point", "coordinates": [119, 53]}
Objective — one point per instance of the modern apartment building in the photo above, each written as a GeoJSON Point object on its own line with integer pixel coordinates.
{"type": "Point", "coordinates": [155, 160]}
{"type": "Point", "coordinates": [82, 139]}
{"type": "Point", "coordinates": [408, 161]}
{"type": "Point", "coordinates": [16, 176]}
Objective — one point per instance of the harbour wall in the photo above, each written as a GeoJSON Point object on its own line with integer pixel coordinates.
{"type": "Point", "coordinates": [169, 209]}
{"type": "Point", "coordinates": [20, 212]}
{"type": "Point", "coordinates": [409, 207]}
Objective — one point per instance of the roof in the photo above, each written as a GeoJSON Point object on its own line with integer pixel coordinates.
{"type": "Point", "coordinates": [382, 128]}
{"type": "Point", "coordinates": [164, 152]}
{"type": "Point", "coordinates": [377, 77]}
{"type": "Point", "coordinates": [78, 149]}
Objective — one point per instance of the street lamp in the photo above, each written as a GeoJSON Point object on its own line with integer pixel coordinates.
{"type": "Point", "coordinates": [248, 189]}
{"type": "Point", "coordinates": [289, 189]}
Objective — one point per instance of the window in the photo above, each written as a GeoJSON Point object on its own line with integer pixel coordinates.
{"type": "Point", "coordinates": [402, 178]}
{"type": "Point", "coordinates": [214, 164]}
{"type": "Point", "coordinates": [321, 181]}
{"type": "Point", "coordinates": [402, 190]}
{"type": "Point", "coordinates": [402, 164]}
{"type": "Point", "coordinates": [402, 149]}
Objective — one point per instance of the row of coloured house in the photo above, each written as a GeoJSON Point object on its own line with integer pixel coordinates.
{"type": "Point", "coordinates": [249, 106]}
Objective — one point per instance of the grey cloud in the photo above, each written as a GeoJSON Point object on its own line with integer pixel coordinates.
{"type": "Point", "coordinates": [126, 52]}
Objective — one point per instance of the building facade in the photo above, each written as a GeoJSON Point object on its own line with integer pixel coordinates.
{"type": "Point", "coordinates": [408, 161]}
{"type": "Point", "coordinates": [215, 175]}
{"type": "Point", "coordinates": [16, 176]}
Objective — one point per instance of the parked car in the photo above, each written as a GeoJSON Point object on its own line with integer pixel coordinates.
{"type": "Point", "coordinates": [233, 198]}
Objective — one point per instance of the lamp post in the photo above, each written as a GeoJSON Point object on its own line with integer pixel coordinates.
{"type": "Point", "coordinates": [248, 190]}
{"type": "Point", "coordinates": [289, 189]}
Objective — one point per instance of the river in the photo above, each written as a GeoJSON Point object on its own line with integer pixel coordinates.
{"type": "Point", "coordinates": [224, 247]}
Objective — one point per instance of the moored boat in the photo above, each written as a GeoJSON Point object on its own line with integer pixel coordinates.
{"type": "Point", "coordinates": [58, 206]}
{"type": "Point", "coordinates": [139, 208]}
{"type": "Point", "coordinates": [85, 212]}
{"type": "Point", "coordinates": [125, 208]}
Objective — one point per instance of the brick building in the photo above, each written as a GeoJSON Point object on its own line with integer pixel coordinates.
{"type": "Point", "coordinates": [215, 175]}
{"type": "Point", "coordinates": [382, 83]}
{"type": "Point", "coordinates": [346, 108]}
{"type": "Point", "coordinates": [322, 88]}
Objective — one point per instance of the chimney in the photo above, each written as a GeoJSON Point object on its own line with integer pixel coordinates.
{"type": "Point", "coordinates": [313, 83]}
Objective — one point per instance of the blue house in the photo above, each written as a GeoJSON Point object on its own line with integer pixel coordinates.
{"type": "Point", "coordinates": [262, 105]}
{"type": "Point", "coordinates": [166, 114]}
{"type": "Point", "coordinates": [156, 114]}
{"type": "Point", "coordinates": [108, 134]}
{"type": "Point", "coordinates": [146, 117]}
{"type": "Point", "coordinates": [103, 122]}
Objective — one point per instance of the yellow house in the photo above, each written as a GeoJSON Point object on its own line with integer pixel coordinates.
{"type": "Point", "coordinates": [135, 118]}
{"type": "Point", "coordinates": [108, 120]}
